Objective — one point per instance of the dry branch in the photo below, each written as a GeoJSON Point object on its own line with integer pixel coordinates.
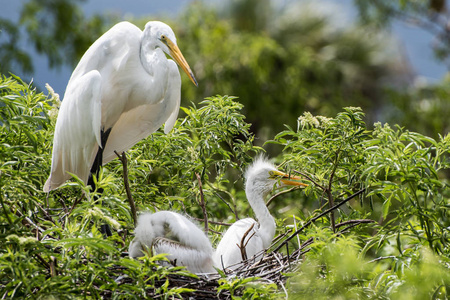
{"type": "Point", "coordinates": [123, 159]}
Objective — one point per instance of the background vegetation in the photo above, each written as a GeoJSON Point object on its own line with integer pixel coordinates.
{"type": "Point", "coordinates": [297, 77]}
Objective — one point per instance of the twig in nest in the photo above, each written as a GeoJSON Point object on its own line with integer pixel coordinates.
{"type": "Point", "coordinates": [123, 159]}
{"type": "Point", "coordinates": [319, 216]}
{"type": "Point", "coordinates": [242, 245]}
{"type": "Point", "coordinates": [202, 201]}
{"type": "Point", "coordinates": [60, 201]}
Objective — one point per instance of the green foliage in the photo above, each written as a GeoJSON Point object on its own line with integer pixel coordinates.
{"type": "Point", "coordinates": [12, 57]}
{"type": "Point", "coordinates": [24, 137]}
{"type": "Point", "coordinates": [337, 269]}
{"type": "Point", "coordinates": [60, 252]}
{"type": "Point", "coordinates": [252, 288]}
{"type": "Point", "coordinates": [61, 249]}
{"type": "Point", "coordinates": [402, 172]}
{"type": "Point", "coordinates": [212, 141]}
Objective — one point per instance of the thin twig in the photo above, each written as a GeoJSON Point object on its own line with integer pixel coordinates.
{"type": "Point", "coordinates": [281, 193]}
{"type": "Point", "coordinates": [381, 258]}
{"type": "Point", "coordinates": [202, 201]}
{"type": "Point", "coordinates": [319, 216]}
{"type": "Point", "coordinates": [223, 200]}
{"type": "Point", "coordinates": [42, 261]}
{"type": "Point", "coordinates": [353, 225]}
{"type": "Point", "coordinates": [242, 246]}
{"type": "Point", "coordinates": [310, 179]}
{"type": "Point", "coordinates": [212, 222]}
{"type": "Point", "coordinates": [357, 222]}
{"type": "Point", "coordinates": [60, 201]}
{"type": "Point", "coordinates": [123, 159]}
{"type": "Point", "coordinates": [75, 204]}
{"type": "Point", "coordinates": [45, 213]}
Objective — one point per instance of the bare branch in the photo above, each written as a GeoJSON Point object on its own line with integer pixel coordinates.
{"type": "Point", "coordinates": [123, 159]}
{"type": "Point", "coordinates": [242, 245]}
{"type": "Point", "coordinates": [317, 217]}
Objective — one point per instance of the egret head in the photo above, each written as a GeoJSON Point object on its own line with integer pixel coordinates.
{"type": "Point", "coordinates": [262, 176]}
{"type": "Point", "coordinates": [165, 39]}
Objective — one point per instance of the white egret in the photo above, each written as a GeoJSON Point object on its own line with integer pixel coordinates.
{"type": "Point", "coordinates": [123, 89]}
{"type": "Point", "coordinates": [174, 234]}
{"type": "Point", "coordinates": [247, 235]}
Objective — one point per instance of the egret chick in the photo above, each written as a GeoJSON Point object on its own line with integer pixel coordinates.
{"type": "Point", "coordinates": [261, 178]}
{"type": "Point", "coordinates": [171, 233]}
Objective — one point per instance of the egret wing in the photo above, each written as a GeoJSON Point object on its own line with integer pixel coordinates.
{"type": "Point", "coordinates": [77, 131]}
{"type": "Point", "coordinates": [111, 51]}
{"type": "Point", "coordinates": [138, 123]}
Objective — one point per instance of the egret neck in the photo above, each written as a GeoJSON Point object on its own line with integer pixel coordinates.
{"type": "Point", "coordinates": [256, 196]}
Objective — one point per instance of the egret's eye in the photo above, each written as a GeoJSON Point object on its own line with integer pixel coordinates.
{"type": "Point", "coordinates": [163, 38]}
{"type": "Point", "coordinates": [272, 174]}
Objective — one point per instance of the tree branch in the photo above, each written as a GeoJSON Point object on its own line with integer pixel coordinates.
{"type": "Point", "coordinates": [123, 159]}
{"type": "Point", "coordinates": [310, 179]}
{"type": "Point", "coordinates": [242, 245]}
{"type": "Point", "coordinates": [319, 216]}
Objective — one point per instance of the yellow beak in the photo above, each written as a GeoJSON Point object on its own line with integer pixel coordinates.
{"type": "Point", "coordinates": [176, 54]}
{"type": "Point", "coordinates": [288, 179]}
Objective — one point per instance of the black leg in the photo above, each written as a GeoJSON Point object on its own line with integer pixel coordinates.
{"type": "Point", "coordinates": [95, 169]}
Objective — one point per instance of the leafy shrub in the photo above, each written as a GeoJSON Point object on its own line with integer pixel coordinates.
{"type": "Point", "coordinates": [387, 239]}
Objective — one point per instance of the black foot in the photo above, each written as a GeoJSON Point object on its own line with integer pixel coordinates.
{"type": "Point", "coordinates": [106, 230]}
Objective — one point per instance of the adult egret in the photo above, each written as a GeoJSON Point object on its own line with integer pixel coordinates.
{"type": "Point", "coordinates": [172, 233]}
{"type": "Point", "coordinates": [247, 235]}
{"type": "Point", "coordinates": [123, 89]}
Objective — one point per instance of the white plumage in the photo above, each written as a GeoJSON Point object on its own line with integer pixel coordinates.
{"type": "Point", "coordinates": [261, 178]}
{"type": "Point", "coordinates": [123, 82]}
{"type": "Point", "coordinates": [172, 233]}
